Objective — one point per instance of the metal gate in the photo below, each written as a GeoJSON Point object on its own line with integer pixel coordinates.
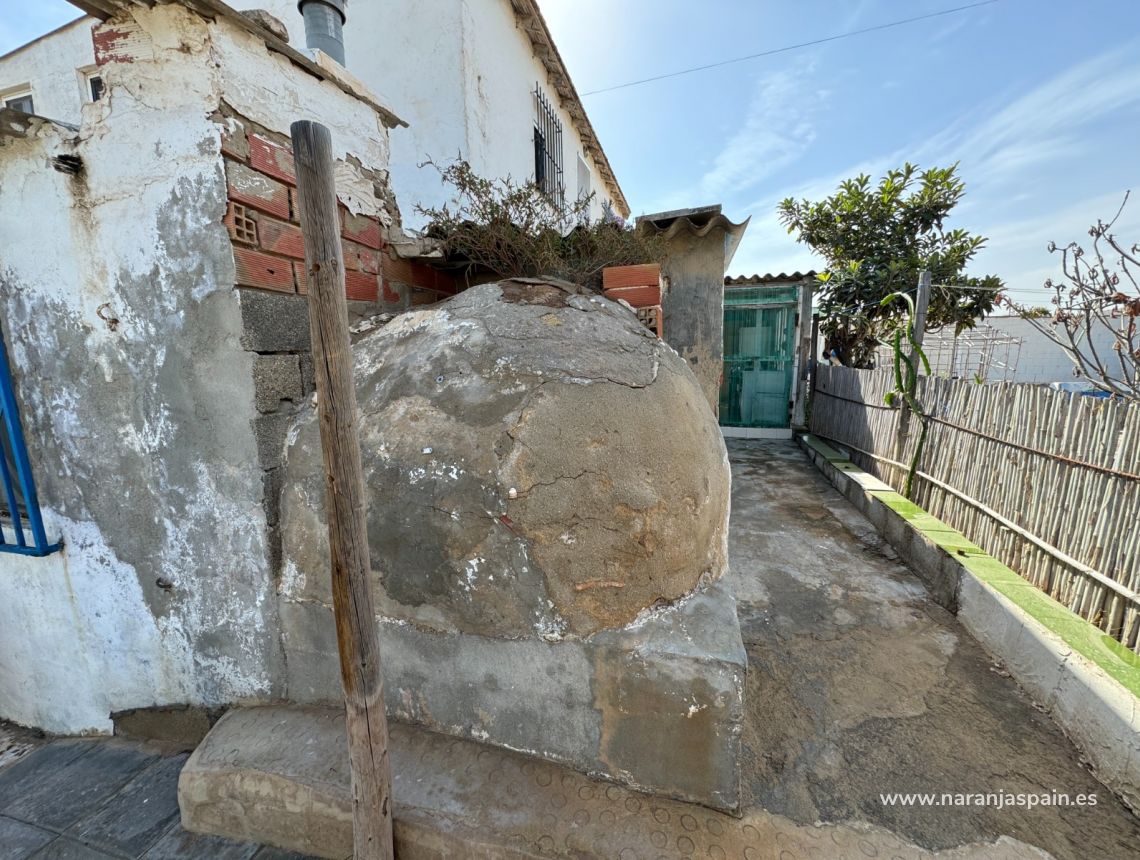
{"type": "Point", "coordinates": [759, 355]}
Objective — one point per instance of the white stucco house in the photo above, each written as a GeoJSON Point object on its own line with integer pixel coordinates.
{"type": "Point", "coordinates": [480, 79]}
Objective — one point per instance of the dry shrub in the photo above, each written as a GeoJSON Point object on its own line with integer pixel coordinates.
{"type": "Point", "coordinates": [512, 230]}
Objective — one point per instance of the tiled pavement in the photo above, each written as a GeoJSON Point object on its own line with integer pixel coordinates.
{"type": "Point", "coordinates": [95, 800]}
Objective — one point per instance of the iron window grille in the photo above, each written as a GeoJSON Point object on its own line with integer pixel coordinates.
{"type": "Point", "coordinates": [21, 524]}
{"type": "Point", "coordinates": [548, 173]}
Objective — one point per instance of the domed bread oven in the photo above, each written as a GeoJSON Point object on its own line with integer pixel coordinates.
{"type": "Point", "coordinates": [548, 498]}
{"type": "Point", "coordinates": [536, 463]}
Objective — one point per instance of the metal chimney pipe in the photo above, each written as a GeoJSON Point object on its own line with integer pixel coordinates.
{"type": "Point", "coordinates": [324, 24]}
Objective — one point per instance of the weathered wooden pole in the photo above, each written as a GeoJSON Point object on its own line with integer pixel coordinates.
{"type": "Point", "coordinates": [921, 303]}
{"type": "Point", "coordinates": [344, 483]}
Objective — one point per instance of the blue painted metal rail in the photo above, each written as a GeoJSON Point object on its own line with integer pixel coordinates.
{"type": "Point", "coordinates": [21, 525]}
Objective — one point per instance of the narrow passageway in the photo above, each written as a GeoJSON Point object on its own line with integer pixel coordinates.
{"type": "Point", "coordinates": [860, 685]}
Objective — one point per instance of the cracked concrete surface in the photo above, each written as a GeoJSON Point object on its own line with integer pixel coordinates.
{"type": "Point", "coordinates": [859, 684]}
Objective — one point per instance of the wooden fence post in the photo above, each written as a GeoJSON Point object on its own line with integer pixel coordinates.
{"type": "Point", "coordinates": [356, 636]}
{"type": "Point", "coordinates": [921, 303]}
{"type": "Point", "coordinates": [804, 351]}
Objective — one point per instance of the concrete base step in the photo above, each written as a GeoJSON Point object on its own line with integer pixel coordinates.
{"type": "Point", "coordinates": [279, 775]}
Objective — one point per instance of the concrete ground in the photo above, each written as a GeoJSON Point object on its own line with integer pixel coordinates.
{"type": "Point", "coordinates": [859, 684]}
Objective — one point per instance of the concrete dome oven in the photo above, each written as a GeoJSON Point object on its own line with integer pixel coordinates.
{"type": "Point", "coordinates": [536, 463]}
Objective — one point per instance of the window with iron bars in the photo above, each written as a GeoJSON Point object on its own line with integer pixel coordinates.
{"type": "Point", "coordinates": [548, 175]}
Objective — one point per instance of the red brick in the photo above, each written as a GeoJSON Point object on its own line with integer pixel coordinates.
{"type": "Point", "coordinates": [241, 223]}
{"type": "Point", "coordinates": [358, 286]}
{"type": "Point", "coordinates": [119, 43]}
{"type": "Point", "coordinates": [389, 293]}
{"type": "Point", "coordinates": [257, 191]}
{"type": "Point", "coordinates": [301, 276]}
{"type": "Point", "coordinates": [423, 297]}
{"type": "Point", "coordinates": [360, 259]}
{"type": "Point", "coordinates": [639, 297]}
{"type": "Point", "coordinates": [417, 274]}
{"type": "Point", "coordinates": [234, 142]}
{"type": "Point", "coordinates": [362, 229]}
{"type": "Point", "coordinates": [361, 286]}
{"type": "Point", "coordinates": [255, 269]}
{"type": "Point", "coordinates": [644, 275]}
{"type": "Point", "coordinates": [272, 158]}
{"type": "Point", "coordinates": [281, 238]}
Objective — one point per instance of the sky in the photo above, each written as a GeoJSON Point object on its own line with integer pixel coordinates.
{"type": "Point", "coordinates": [1037, 100]}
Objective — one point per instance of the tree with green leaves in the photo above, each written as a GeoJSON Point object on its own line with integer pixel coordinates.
{"type": "Point", "coordinates": [876, 239]}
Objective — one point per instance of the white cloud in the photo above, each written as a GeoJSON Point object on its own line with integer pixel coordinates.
{"type": "Point", "coordinates": [779, 125]}
{"type": "Point", "coordinates": [1012, 154]}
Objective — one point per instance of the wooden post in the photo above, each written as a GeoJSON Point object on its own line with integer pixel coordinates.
{"type": "Point", "coordinates": [348, 534]}
{"type": "Point", "coordinates": [921, 303]}
{"type": "Point", "coordinates": [804, 351]}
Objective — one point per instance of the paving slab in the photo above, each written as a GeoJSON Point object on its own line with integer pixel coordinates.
{"type": "Point", "coordinates": [22, 774]}
{"type": "Point", "coordinates": [16, 742]}
{"type": "Point", "coordinates": [63, 848]}
{"type": "Point", "coordinates": [19, 840]}
{"type": "Point", "coordinates": [180, 845]}
{"type": "Point", "coordinates": [58, 797]}
{"type": "Point", "coordinates": [139, 814]}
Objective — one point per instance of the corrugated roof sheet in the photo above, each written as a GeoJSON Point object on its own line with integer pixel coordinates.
{"type": "Point", "coordinates": [755, 280]}
{"type": "Point", "coordinates": [698, 222]}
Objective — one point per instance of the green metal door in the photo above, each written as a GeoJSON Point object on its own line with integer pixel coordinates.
{"type": "Point", "coordinates": [759, 348]}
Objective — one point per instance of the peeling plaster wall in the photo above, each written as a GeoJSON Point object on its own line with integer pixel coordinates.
{"type": "Point", "coordinates": [53, 69]}
{"type": "Point", "coordinates": [125, 333]}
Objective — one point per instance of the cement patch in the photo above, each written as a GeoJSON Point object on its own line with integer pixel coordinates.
{"type": "Point", "coordinates": [673, 679]}
{"type": "Point", "coordinates": [280, 776]}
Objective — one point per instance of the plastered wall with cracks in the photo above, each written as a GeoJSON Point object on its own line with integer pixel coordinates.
{"type": "Point", "coordinates": [140, 378]}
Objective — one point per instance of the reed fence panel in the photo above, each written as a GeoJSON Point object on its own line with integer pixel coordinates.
{"type": "Point", "coordinates": [1045, 481]}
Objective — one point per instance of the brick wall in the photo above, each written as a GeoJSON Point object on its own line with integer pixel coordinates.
{"type": "Point", "coordinates": [264, 223]}
{"type": "Point", "coordinates": [640, 287]}
{"type": "Point", "coordinates": [269, 252]}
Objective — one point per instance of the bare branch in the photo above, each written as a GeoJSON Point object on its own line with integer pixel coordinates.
{"type": "Point", "coordinates": [1099, 294]}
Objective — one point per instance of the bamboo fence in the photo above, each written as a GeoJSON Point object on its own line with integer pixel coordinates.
{"type": "Point", "coordinates": [1047, 482]}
